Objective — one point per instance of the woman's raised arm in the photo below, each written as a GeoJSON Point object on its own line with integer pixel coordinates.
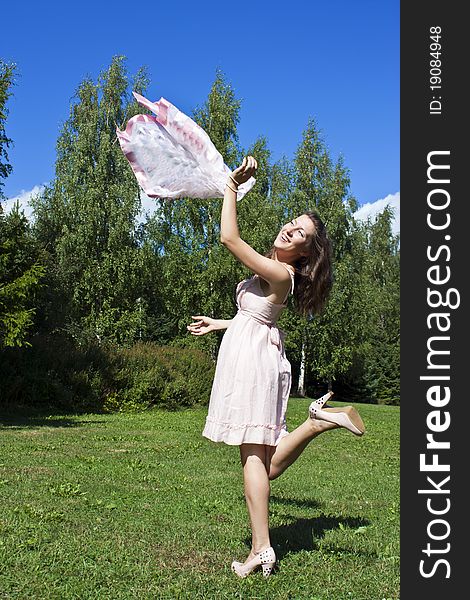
{"type": "Point", "coordinates": [267, 269]}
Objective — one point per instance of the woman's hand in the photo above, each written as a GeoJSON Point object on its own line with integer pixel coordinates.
{"type": "Point", "coordinates": [246, 170]}
{"type": "Point", "coordinates": [202, 325]}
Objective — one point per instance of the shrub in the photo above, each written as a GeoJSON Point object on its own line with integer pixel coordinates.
{"type": "Point", "coordinates": [54, 372]}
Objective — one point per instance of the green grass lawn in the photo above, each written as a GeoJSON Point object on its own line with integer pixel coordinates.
{"type": "Point", "coordinates": [141, 506]}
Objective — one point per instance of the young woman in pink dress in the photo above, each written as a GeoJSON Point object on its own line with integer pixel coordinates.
{"type": "Point", "coordinates": [253, 377]}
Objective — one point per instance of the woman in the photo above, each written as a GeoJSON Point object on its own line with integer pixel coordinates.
{"type": "Point", "coordinates": [253, 377]}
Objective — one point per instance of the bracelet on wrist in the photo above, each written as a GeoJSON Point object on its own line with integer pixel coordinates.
{"type": "Point", "coordinates": [229, 186]}
{"type": "Point", "coordinates": [235, 182]}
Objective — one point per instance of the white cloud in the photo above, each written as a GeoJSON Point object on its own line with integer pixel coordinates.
{"type": "Point", "coordinates": [23, 198]}
{"type": "Point", "coordinates": [372, 209]}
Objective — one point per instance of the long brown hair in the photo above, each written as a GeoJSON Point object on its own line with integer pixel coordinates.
{"type": "Point", "coordinates": [313, 273]}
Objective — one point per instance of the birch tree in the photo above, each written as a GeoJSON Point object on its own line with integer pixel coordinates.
{"type": "Point", "coordinates": [86, 219]}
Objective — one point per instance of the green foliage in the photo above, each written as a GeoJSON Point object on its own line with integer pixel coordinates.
{"type": "Point", "coordinates": [55, 372]}
{"type": "Point", "coordinates": [20, 271]}
{"type": "Point", "coordinates": [87, 218]}
{"type": "Point", "coordinates": [168, 377]}
{"type": "Point", "coordinates": [7, 72]}
{"type": "Point", "coordinates": [382, 361]}
{"type": "Point", "coordinates": [20, 276]}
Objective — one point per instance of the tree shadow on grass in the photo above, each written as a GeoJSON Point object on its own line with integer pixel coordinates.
{"type": "Point", "coordinates": [27, 417]}
{"type": "Point", "coordinates": [304, 534]}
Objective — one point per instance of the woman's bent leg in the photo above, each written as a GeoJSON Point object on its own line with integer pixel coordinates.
{"type": "Point", "coordinates": [293, 444]}
{"type": "Point", "coordinates": [257, 488]}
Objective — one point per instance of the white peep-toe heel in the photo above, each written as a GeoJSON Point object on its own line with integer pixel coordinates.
{"type": "Point", "coordinates": [266, 559]}
{"type": "Point", "coordinates": [320, 402]}
{"type": "Point", "coordinates": [346, 417]}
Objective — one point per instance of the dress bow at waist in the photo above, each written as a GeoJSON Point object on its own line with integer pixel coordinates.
{"type": "Point", "coordinates": [275, 333]}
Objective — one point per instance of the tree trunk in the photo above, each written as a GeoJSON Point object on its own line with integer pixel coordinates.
{"type": "Point", "coordinates": [301, 384]}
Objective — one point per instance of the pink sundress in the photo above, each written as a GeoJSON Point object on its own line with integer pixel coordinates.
{"type": "Point", "coordinates": [253, 376]}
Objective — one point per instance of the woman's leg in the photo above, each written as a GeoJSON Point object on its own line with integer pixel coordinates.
{"type": "Point", "coordinates": [292, 445]}
{"type": "Point", "coordinates": [257, 488]}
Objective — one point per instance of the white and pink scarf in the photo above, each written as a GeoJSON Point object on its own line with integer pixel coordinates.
{"type": "Point", "coordinates": [172, 156]}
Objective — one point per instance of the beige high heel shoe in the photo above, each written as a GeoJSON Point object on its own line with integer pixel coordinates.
{"type": "Point", "coordinates": [266, 559]}
{"type": "Point", "coordinates": [346, 417]}
{"type": "Point", "coordinates": [320, 402]}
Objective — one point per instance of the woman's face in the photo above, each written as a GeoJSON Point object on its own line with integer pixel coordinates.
{"type": "Point", "coordinates": [295, 236]}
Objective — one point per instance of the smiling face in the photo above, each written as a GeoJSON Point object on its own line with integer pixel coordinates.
{"type": "Point", "coordinates": [293, 240]}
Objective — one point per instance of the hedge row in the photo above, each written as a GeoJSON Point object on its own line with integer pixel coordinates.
{"type": "Point", "coordinates": [54, 372]}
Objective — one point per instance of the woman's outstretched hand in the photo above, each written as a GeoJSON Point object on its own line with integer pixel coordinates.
{"type": "Point", "coordinates": [246, 170]}
{"type": "Point", "coordinates": [202, 325]}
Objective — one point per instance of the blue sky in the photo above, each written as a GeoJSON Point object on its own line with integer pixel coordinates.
{"type": "Point", "coordinates": [336, 61]}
